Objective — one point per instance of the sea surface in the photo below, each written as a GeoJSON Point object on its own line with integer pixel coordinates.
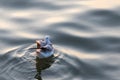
{"type": "Point", "coordinates": [86, 34]}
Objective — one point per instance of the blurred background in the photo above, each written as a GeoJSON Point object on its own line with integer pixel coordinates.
{"type": "Point", "coordinates": [87, 29]}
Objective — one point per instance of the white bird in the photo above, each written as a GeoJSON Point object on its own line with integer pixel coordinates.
{"type": "Point", "coordinates": [44, 48]}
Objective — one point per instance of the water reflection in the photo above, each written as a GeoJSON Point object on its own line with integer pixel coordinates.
{"type": "Point", "coordinates": [42, 64]}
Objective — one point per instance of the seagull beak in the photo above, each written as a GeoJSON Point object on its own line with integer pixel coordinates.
{"type": "Point", "coordinates": [38, 42]}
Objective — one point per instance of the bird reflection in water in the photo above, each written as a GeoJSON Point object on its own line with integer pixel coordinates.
{"type": "Point", "coordinates": [42, 64]}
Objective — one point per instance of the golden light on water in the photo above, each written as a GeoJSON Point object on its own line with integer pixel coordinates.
{"type": "Point", "coordinates": [101, 3]}
{"type": "Point", "coordinates": [54, 19]}
{"type": "Point", "coordinates": [27, 35]}
{"type": "Point", "coordinates": [4, 24]}
{"type": "Point", "coordinates": [80, 55]}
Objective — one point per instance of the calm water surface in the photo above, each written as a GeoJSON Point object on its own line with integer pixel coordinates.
{"type": "Point", "coordinates": [86, 33]}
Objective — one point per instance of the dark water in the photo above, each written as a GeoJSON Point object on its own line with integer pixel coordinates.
{"type": "Point", "coordinates": [85, 32]}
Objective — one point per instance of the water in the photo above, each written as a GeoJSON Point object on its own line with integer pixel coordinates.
{"type": "Point", "coordinates": [86, 33]}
